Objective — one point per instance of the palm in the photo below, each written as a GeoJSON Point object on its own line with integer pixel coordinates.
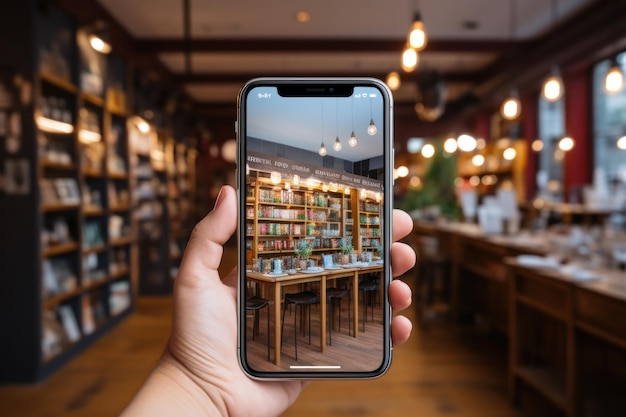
{"type": "Point", "coordinates": [205, 318]}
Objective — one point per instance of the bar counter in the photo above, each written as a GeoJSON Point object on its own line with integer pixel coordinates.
{"type": "Point", "coordinates": [565, 324]}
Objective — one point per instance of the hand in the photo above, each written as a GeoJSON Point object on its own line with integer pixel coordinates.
{"type": "Point", "coordinates": [199, 373]}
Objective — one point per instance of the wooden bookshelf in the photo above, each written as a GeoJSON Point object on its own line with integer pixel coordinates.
{"type": "Point", "coordinates": [68, 201]}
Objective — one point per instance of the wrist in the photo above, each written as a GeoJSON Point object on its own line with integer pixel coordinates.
{"type": "Point", "coordinates": [172, 390]}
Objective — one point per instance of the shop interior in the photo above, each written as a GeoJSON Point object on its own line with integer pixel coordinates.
{"type": "Point", "coordinates": [117, 132]}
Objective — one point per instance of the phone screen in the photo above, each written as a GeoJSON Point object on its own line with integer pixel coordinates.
{"type": "Point", "coordinates": [314, 228]}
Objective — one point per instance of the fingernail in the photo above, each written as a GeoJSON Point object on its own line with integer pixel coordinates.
{"type": "Point", "coordinates": [218, 200]}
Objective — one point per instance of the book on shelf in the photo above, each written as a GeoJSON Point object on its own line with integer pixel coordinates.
{"type": "Point", "coordinates": [69, 322]}
{"type": "Point", "coordinates": [60, 191]}
{"type": "Point", "coordinates": [58, 277]}
{"type": "Point", "coordinates": [119, 298]}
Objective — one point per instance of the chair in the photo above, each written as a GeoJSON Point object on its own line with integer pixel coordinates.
{"type": "Point", "coordinates": [433, 291]}
{"type": "Point", "coordinates": [334, 296]}
{"type": "Point", "coordinates": [302, 299]}
{"type": "Point", "coordinates": [369, 286]}
{"type": "Point", "coordinates": [256, 304]}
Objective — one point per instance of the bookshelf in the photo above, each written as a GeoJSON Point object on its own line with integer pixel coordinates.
{"type": "Point", "coordinates": [279, 215]}
{"type": "Point", "coordinates": [67, 228]}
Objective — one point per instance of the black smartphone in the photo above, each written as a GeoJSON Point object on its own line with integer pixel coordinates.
{"type": "Point", "coordinates": [314, 180]}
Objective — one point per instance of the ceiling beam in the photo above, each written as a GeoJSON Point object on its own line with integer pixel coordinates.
{"type": "Point", "coordinates": [240, 78]}
{"type": "Point", "coordinates": [173, 45]}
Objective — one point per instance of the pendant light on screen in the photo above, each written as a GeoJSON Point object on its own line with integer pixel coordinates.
{"type": "Point", "coordinates": [337, 144]}
{"type": "Point", "coordinates": [371, 129]}
{"type": "Point", "coordinates": [352, 141]}
{"type": "Point", "coordinates": [323, 151]}
{"type": "Point", "coordinates": [614, 78]}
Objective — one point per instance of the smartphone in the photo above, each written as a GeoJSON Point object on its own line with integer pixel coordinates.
{"type": "Point", "coordinates": [314, 179]}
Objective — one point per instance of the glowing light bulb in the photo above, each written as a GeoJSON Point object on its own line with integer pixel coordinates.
{"type": "Point", "coordinates": [450, 145]}
{"type": "Point", "coordinates": [403, 171]}
{"type": "Point", "coordinates": [553, 86]}
{"type": "Point", "coordinates": [478, 160]}
{"type": "Point", "coordinates": [393, 80]}
{"type": "Point", "coordinates": [417, 36]}
{"type": "Point", "coordinates": [509, 154]}
{"type": "Point", "coordinates": [337, 144]}
{"type": "Point", "coordinates": [621, 143]}
{"type": "Point", "coordinates": [466, 143]}
{"type": "Point", "coordinates": [323, 150]}
{"type": "Point", "coordinates": [511, 108]}
{"type": "Point", "coordinates": [409, 59]}
{"type": "Point", "coordinates": [428, 150]}
{"type": "Point", "coordinates": [537, 145]}
{"type": "Point", "coordinates": [614, 80]}
{"type": "Point", "coordinates": [372, 129]}
{"type": "Point", "coordinates": [566, 144]}
{"type": "Point", "coordinates": [352, 141]}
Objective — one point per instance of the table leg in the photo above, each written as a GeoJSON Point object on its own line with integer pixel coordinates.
{"type": "Point", "coordinates": [277, 323]}
{"type": "Point", "coordinates": [323, 314]}
{"type": "Point", "coordinates": [355, 303]}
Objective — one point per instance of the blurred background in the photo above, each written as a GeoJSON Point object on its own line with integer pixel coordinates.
{"type": "Point", "coordinates": [117, 132]}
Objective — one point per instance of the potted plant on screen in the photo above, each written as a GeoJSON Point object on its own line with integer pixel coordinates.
{"type": "Point", "coordinates": [377, 249]}
{"type": "Point", "coordinates": [303, 250]}
{"type": "Point", "coordinates": [346, 249]}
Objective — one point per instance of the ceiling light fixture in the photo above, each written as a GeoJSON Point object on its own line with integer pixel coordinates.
{"type": "Point", "coordinates": [614, 78]}
{"type": "Point", "coordinates": [566, 144]}
{"type": "Point", "coordinates": [509, 154]}
{"type": "Point", "coordinates": [322, 150]}
{"type": "Point", "coordinates": [552, 88]}
{"type": "Point", "coordinates": [621, 143]}
{"type": "Point", "coordinates": [450, 145]}
{"type": "Point", "coordinates": [511, 107]}
{"type": "Point", "coordinates": [417, 35]}
{"type": "Point", "coordinates": [337, 144]}
{"type": "Point", "coordinates": [409, 58]}
{"type": "Point", "coordinates": [553, 85]}
{"type": "Point", "coordinates": [428, 151]}
{"type": "Point", "coordinates": [393, 80]}
{"type": "Point", "coordinates": [98, 35]}
{"type": "Point", "coordinates": [537, 145]}
{"type": "Point", "coordinates": [371, 129]}
{"type": "Point", "coordinates": [352, 141]}
{"type": "Point", "coordinates": [303, 16]}
{"type": "Point", "coordinates": [466, 143]}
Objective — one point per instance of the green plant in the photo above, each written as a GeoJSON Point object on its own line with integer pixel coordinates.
{"type": "Point", "coordinates": [377, 247]}
{"type": "Point", "coordinates": [346, 245]}
{"type": "Point", "coordinates": [437, 188]}
{"type": "Point", "coordinates": [303, 249]}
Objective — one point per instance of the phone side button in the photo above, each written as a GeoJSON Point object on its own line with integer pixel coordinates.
{"type": "Point", "coordinates": [236, 127]}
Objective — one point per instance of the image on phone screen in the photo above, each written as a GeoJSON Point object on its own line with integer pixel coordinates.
{"type": "Point", "coordinates": [315, 295]}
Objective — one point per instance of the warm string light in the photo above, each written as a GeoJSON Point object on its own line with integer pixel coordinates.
{"type": "Point", "coordinates": [337, 144]}
{"type": "Point", "coordinates": [371, 129]}
{"type": "Point", "coordinates": [511, 107]}
{"type": "Point", "coordinates": [614, 78]}
{"type": "Point", "coordinates": [552, 88]}
{"type": "Point", "coordinates": [352, 142]}
{"type": "Point", "coordinates": [393, 80]}
{"type": "Point", "coordinates": [322, 151]}
{"type": "Point", "coordinates": [409, 58]}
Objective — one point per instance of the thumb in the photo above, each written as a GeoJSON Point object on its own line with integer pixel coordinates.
{"type": "Point", "coordinates": [204, 250]}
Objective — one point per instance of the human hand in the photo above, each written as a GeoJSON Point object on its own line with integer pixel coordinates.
{"type": "Point", "coordinates": [199, 372]}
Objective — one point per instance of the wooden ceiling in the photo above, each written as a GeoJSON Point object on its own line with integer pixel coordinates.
{"type": "Point", "coordinates": [209, 48]}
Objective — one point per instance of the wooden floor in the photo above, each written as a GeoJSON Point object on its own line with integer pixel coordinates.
{"type": "Point", "coordinates": [443, 370]}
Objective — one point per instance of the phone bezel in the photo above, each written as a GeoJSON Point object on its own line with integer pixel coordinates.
{"type": "Point", "coordinates": [322, 88]}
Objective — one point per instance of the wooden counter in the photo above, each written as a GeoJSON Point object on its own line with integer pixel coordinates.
{"type": "Point", "coordinates": [567, 338]}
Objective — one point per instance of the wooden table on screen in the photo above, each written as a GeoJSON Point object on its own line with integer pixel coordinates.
{"type": "Point", "coordinates": [277, 283]}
